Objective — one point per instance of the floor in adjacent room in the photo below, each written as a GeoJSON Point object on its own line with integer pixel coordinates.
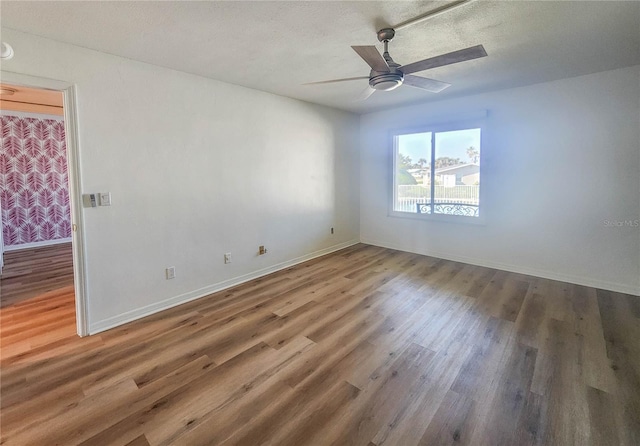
{"type": "Point", "coordinates": [366, 346]}
{"type": "Point", "coordinates": [37, 301]}
{"type": "Point", "coordinates": [32, 272]}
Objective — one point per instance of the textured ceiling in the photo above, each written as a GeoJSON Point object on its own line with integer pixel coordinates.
{"type": "Point", "coordinates": [278, 46]}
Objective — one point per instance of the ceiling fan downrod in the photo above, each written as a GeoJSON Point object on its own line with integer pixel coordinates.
{"type": "Point", "coordinates": [393, 78]}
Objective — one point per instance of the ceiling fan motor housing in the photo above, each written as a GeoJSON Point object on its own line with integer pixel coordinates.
{"type": "Point", "coordinates": [386, 34]}
{"type": "Point", "coordinates": [389, 80]}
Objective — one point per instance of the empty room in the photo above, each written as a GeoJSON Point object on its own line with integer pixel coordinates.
{"type": "Point", "coordinates": [320, 223]}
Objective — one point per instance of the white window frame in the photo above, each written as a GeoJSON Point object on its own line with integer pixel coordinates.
{"type": "Point", "coordinates": [433, 129]}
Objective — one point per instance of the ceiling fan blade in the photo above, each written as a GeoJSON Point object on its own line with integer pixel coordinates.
{"type": "Point", "coordinates": [471, 53]}
{"type": "Point", "coordinates": [364, 95]}
{"type": "Point", "coordinates": [338, 80]}
{"type": "Point", "coordinates": [372, 57]}
{"type": "Point", "coordinates": [426, 84]}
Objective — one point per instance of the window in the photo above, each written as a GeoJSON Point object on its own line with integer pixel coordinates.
{"type": "Point", "coordinates": [437, 172]}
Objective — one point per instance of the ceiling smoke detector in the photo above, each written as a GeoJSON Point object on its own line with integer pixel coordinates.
{"type": "Point", "coordinates": [6, 52]}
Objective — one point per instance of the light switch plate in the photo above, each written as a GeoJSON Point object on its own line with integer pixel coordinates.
{"type": "Point", "coordinates": [105, 198]}
{"type": "Point", "coordinates": [89, 200]}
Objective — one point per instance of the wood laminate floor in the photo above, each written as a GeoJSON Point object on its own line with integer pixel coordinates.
{"type": "Point", "coordinates": [29, 273]}
{"type": "Point", "coordinates": [366, 346]}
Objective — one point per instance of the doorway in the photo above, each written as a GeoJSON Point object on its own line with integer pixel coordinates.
{"type": "Point", "coordinates": [37, 298]}
{"type": "Point", "coordinates": [42, 278]}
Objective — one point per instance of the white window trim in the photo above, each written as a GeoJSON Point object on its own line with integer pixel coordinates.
{"type": "Point", "coordinates": [436, 128]}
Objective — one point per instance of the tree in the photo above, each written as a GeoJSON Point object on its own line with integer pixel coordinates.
{"type": "Point", "coordinates": [404, 161]}
{"type": "Point", "coordinates": [473, 154]}
{"type": "Point", "coordinates": [422, 163]}
{"type": "Point", "coordinates": [403, 177]}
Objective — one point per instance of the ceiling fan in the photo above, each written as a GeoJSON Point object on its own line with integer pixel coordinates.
{"type": "Point", "coordinates": [387, 75]}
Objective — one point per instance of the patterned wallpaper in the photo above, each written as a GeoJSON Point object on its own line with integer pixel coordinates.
{"type": "Point", "coordinates": [33, 180]}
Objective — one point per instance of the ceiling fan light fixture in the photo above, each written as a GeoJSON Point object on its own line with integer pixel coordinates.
{"type": "Point", "coordinates": [386, 85]}
{"type": "Point", "coordinates": [386, 81]}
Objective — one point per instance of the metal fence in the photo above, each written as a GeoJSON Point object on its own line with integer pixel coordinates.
{"type": "Point", "coordinates": [410, 195]}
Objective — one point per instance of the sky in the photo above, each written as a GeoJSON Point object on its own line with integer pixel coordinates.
{"type": "Point", "coordinates": [452, 144]}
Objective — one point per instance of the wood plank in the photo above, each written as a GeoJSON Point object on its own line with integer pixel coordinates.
{"type": "Point", "coordinates": [621, 329]}
{"type": "Point", "coordinates": [560, 379]}
{"type": "Point", "coordinates": [602, 417]}
{"type": "Point", "coordinates": [514, 376]}
{"type": "Point", "coordinates": [453, 423]}
{"type": "Point", "coordinates": [382, 403]}
{"type": "Point", "coordinates": [533, 422]}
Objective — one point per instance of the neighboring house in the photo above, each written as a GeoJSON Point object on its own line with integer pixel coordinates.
{"type": "Point", "coordinates": [462, 174]}
{"type": "Point", "coordinates": [419, 174]}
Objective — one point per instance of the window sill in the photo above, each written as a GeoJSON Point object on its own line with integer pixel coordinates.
{"type": "Point", "coordinates": [440, 218]}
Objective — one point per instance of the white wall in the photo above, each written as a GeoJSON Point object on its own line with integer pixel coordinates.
{"type": "Point", "coordinates": [196, 168]}
{"type": "Point", "coordinates": [559, 159]}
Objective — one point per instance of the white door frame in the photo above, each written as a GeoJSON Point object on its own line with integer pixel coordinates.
{"type": "Point", "coordinates": [68, 90]}
{"type": "Point", "coordinates": [1, 242]}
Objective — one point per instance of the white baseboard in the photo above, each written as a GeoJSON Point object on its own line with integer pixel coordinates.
{"type": "Point", "coordinates": [58, 241]}
{"type": "Point", "coordinates": [148, 310]}
{"type": "Point", "coordinates": [552, 275]}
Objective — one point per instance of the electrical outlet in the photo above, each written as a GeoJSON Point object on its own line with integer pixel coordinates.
{"type": "Point", "coordinates": [227, 257]}
{"type": "Point", "coordinates": [171, 272]}
{"type": "Point", "coordinates": [332, 230]}
{"type": "Point", "coordinates": [262, 250]}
